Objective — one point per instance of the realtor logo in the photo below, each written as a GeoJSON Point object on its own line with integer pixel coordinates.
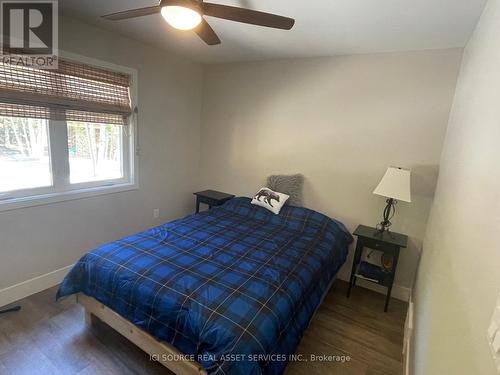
{"type": "Point", "coordinates": [29, 33]}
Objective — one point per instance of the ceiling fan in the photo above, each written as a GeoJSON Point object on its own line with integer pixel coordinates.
{"type": "Point", "coordinates": [188, 15]}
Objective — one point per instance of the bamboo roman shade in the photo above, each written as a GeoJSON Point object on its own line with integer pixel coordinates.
{"type": "Point", "coordinates": [73, 92]}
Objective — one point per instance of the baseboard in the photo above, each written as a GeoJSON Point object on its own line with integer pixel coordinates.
{"type": "Point", "coordinates": [408, 339]}
{"type": "Point", "coordinates": [399, 292]}
{"type": "Point", "coordinates": [27, 288]}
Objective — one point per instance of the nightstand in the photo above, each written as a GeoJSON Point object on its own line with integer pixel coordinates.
{"type": "Point", "coordinates": [389, 243]}
{"type": "Point", "coordinates": [211, 198]}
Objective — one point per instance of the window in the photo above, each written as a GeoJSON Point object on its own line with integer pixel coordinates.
{"type": "Point", "coordinates": [24, 154]}
{"type": "Point", "coordinates": [95, 151]}
{"type": "Point", "coordinates": [63, 131]}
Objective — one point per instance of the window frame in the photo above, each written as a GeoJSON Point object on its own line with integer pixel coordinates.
{"type": "Point", "coordinates": [61, 188]}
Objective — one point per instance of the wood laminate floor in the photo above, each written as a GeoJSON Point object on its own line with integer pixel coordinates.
{"type": "Point", "coordinates": [48, 337]}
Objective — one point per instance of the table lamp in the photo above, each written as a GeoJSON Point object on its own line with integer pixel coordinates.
{"type": "Point", "coordinates": [395, 186]}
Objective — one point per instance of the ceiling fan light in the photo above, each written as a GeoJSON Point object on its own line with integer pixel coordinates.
{"type": "Point", "coordinates": [181, 18]}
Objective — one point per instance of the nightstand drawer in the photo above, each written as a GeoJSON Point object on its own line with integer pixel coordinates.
{"type": "Point", "coordinates": [209, 201]}
{"type": "Point", "coordinates": [377, 245]}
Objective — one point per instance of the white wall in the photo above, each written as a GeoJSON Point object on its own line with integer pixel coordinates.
{"type": "Point", "coordinates": [341, 122]}
{"type": "Point", "coordinates": [38, 240]}
{"type": "Point", "coordinates": [459, 277]}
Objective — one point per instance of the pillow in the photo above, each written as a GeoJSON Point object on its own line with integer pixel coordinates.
{"type": "Point", "coordinates": [291, 185]}
{"type": "Point", "coordinates": [271, 200]}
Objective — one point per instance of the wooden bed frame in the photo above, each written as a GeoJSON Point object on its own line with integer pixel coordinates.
{"type": "Point", "coordinates": [161, 351]}
{"type": "Point", "coordinates": [158, 350]}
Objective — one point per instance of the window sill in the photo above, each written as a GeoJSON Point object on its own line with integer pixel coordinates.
{"type": "Point", "coordinates": [45, 199]}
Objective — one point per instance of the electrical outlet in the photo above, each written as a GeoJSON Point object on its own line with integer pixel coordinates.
{"type": "Point", "coordinates": [156, 213]}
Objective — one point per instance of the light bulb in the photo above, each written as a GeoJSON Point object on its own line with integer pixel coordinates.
{"type": "Point", "coordinates": [181, 18]}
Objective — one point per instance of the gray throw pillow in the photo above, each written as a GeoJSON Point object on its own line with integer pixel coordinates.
{"type": "Point", "coordinates": [291, 185]}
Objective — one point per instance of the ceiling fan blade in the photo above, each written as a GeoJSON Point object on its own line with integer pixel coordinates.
{"type": "Point", "coordinates": [205, 32]}
{"type": "Point", "coordinates": [247, 16]}
{"type": "Point", "coordinates": [132, 13]}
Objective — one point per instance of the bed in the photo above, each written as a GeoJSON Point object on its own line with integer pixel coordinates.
{"type": "Point", "coordinates": [233, 288]}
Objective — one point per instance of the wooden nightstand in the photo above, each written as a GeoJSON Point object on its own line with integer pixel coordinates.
{"type": "Point", "coordinates": [388, 242]}
{"type": "Point", "coordinates": [211, 198]}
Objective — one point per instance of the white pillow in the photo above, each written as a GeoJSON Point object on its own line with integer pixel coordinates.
{"type": "Point", "coordinates": [269, 199]}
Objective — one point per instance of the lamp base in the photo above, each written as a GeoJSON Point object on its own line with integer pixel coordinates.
{"type": "Point", "coordinates": [382, 227]}
{"type": "Point", "coordinates": [388, 214]}
{"type": "Point", "coordinates": [383, 232]}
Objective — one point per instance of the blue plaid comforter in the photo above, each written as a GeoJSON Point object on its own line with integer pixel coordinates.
{"type": "Point", "coordinates": [235, 286]}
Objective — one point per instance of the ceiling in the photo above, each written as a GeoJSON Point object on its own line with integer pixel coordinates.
{"type": "Point", "coordinates": [323, 27]}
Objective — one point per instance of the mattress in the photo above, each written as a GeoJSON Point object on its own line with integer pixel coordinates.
{"type": "Point", "coordinates": [235, 286]}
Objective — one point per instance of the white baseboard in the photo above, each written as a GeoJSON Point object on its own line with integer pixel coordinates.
{"type": "Point", "coordinates": [408, 339]}
{"type": "Point", "coordinates": [27, 288]}
{"type": "Point", "coordinates": [399, 292]}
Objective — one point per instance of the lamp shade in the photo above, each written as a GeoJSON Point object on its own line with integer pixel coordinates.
{"type": "Point", "coordinates": [395, 184]}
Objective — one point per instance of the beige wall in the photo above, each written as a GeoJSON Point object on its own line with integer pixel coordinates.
{"type": "Point", "coordinates": [341, 122]}
{"type": "Point", "coordinates": [459, 277]}
{"type": "Point", "coordinates": [38, 240]}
